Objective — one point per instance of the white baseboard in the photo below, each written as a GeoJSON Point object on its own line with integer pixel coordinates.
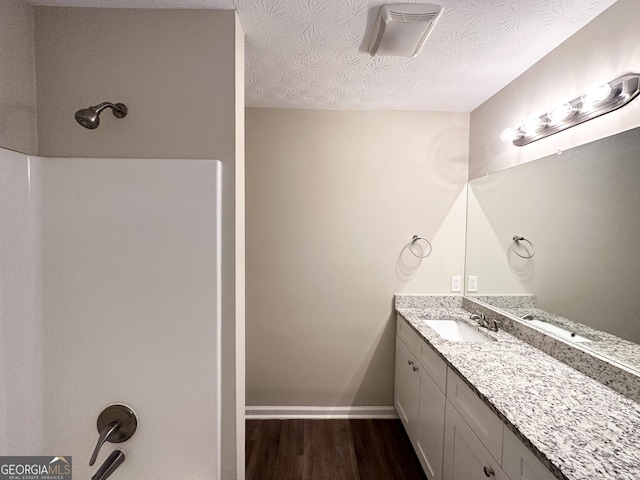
{"type": "Point", "coordinates": [287, 413]}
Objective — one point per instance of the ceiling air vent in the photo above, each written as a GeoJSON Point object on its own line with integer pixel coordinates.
{"type": "Point", "coordinates": [401, 29]}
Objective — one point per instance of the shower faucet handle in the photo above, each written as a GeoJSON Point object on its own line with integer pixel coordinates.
{"type": "Point", "coordinates": [112, 462]}
{"type": "Point", "coordinates": [104, 434]}
{"type": "Point", "coordinates": [116, 424]}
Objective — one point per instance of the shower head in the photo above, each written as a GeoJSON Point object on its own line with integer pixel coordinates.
{"type": "Point", "coordinates": [90, 117]}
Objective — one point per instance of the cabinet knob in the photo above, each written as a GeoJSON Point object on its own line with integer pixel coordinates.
{"type": "Point", "coordinates": [415, 369]}
{"type": "Point", "coordinates": [410, 362]}
{"type": "Point", "coordinates": [488, 471]}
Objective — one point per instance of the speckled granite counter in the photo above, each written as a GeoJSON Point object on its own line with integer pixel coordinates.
{"type": "Point", "coordinates": [610, 360]}
{"type": "Point", "coordinates": [579, 428]}
{"type": "Point", "coordinates": [616, 348]}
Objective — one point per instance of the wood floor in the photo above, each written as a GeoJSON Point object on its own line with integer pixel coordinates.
{"type": "Point", "coordinates": [329, 450]}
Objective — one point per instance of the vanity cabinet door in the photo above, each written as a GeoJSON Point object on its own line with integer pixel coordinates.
{"type": "Point", "coordinates": [407, 388]}
{"type": "Point", "coordinates": [429, 442]}
{"type": "Point", "coordinates": [465, 457]}
{"type": "Point", "coordinates": [486, 424]}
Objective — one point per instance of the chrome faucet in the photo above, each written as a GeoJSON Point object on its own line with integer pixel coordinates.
{"type": "Point", "coordinates": [483, 321]}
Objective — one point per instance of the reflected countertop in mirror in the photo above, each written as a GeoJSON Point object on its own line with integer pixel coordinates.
{"type": "Point", "coordinates": [617, 349]}
{"type": "Point", "coordinates": [579, 209]}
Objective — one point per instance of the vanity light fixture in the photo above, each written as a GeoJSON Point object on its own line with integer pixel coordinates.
{"type": "Point", "coordinates": [602, 99]}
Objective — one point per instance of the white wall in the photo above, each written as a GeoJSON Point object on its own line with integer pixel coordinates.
{"type": "Point", "coordinates": [17, 77]}
{"type": "Point", "coordinates": [333, 198]}
{"type": "Point", "coordinates": [604, 49]}
{"type": "Point", "coordinates": [237, 327]}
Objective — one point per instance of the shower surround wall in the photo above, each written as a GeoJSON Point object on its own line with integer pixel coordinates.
{"type": "Point", "coordinates": [21, 366]}
{"type": "Point", "coordinates": [110, 288]}
{"type": "Point", "coordinates": [181, 73]}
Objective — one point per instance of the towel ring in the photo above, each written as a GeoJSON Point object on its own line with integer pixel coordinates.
{"type": "Point", "coordinates": [414, 239]}
{"type": "Point", "coordinates": [516, 240]}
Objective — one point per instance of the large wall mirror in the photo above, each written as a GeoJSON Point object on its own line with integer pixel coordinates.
{"type": "Point", "coordinates": [580, 209]}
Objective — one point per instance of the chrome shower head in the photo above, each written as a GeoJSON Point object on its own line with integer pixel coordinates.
{"type": "Point", "coordinates": [90, 117]}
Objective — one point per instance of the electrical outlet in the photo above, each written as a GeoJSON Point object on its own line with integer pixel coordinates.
{"type": "Point", "coordinates": [472, 283]}
{"type": "Point", "coordinates": [456, 283]}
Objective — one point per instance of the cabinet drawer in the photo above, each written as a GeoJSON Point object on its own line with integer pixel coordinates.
{"type": "Point", "coordinates": [408, 335]}
{"type": "Point", "coordinates": [519, 463]}
{"type": "Point", "coordinates": [484, 423]}
{"type": "Point", "coordinates": [433, 364]}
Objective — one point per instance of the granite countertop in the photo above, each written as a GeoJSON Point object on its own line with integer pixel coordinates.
{"type": "Point", "coordinates": [579, 428]}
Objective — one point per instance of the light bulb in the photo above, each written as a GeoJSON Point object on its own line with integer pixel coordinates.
{"type": "Point", "coordinates": [531, 125]}
{"type": "Point", "coordinates": [560, 114]}
{"type": "Point", "coordinates": [510, 134]}
{"type": "Point", "coordinates": [597, 95]}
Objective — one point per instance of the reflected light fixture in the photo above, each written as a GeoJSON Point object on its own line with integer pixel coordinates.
{"type": "Point", "coordinates": [599, 101]}
{"type": "Point", "coordinates": [402, 28]}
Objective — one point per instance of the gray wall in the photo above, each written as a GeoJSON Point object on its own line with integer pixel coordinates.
{"type": "Point", "coordinates": [180, 74]}
{"type": "Point", "coordinates": [333, 198]}
{"type": "Point", "coordinates": [17, 77]}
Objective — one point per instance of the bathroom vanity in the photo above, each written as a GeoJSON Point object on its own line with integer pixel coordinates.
{"type": "Point", "coordinates": [496, 407]}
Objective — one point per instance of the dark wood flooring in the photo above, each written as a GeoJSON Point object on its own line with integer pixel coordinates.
{"type": "Point", "coordinates": [329, 450]}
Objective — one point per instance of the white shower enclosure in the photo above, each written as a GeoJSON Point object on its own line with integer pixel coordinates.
{"type": "Point", "coordinates": [110, 293]}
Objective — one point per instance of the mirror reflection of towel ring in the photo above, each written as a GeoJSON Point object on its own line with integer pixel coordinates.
{"type": "Point", "coordinates": [414, 239]}
{"type": "Point", "coordinates": [516, 240]}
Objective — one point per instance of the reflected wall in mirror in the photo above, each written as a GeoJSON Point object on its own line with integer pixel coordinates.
{"type": "Point", "coordinates": [580, 210]}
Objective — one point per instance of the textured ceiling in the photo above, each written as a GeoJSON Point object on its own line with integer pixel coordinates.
{"type": "Point", "coordinates": [313, 53]}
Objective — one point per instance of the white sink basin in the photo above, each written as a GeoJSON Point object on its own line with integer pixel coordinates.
{"type": "Point", "coordinates": [559, 331]}
{"type": "Point", "coordinates": [457, 331]}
